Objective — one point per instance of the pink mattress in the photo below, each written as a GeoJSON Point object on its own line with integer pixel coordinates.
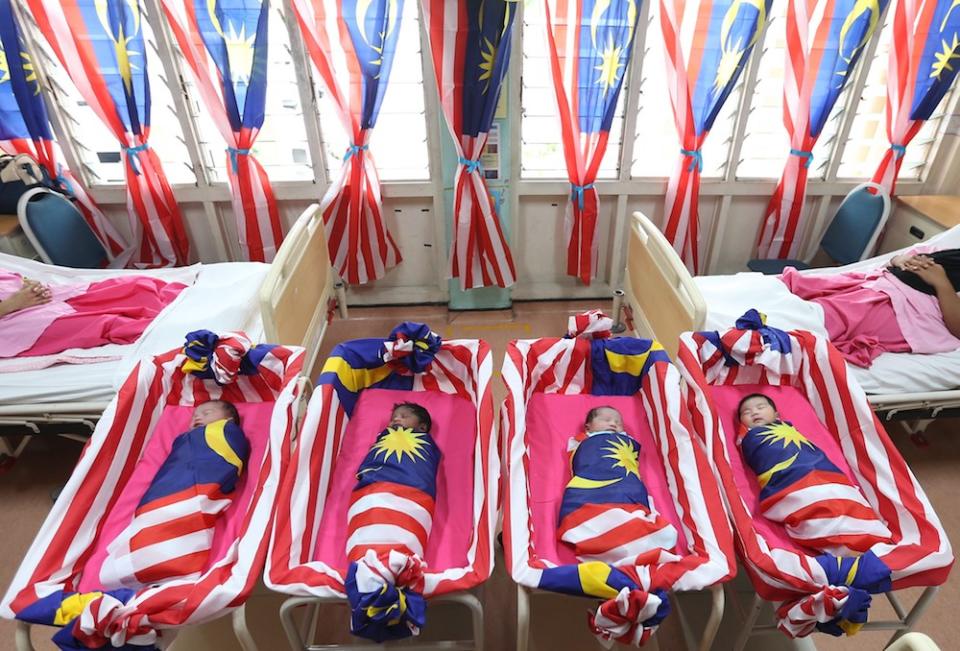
{"type": "Point", "coordinates": [255, 420]}
{"type": "Point", "coordinates": [794, 407]}
{"type": "Point", "coordinates": [551, 420]}
{"type": "Point", "coordinates": [455, 433]}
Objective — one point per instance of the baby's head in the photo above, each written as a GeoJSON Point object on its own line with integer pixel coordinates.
{"type": "Point", "coordinates": [410, 415]}
{"type": "Point", "coordinates": [756, 410]}
{"type": "Point", "coordinates": [212, 411]}
{"type": "Point", "coordinates": [603, 419]}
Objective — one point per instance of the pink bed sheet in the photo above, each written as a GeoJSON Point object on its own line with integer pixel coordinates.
{"type": "Point", "coordinates": [551, 420]}
{"type": "Point", "coordinates": [255, 420]}
{"type": "Point", "coordinates": [455, 433]}
{"type": "Point", "coordinates": [793, 406]}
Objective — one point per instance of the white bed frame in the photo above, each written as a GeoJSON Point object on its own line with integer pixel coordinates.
{"type": "Point", "coordinates": [297, 300]}
{"type": "Point", "coordinates": [662, 301]}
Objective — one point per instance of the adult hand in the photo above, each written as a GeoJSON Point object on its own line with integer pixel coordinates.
{"type": "Point", "coordinates": [932, 273]}
{"type": "Point", "coordinates": [30, 293]}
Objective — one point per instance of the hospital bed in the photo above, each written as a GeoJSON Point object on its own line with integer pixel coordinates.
{"type": "Point", "coordinates": [289, 301]}
{"type": "Point", "coordinates": [663, 300]}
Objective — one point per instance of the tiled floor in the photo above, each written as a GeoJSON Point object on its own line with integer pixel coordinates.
{"type": "Point", "coordinates": [558, 622]}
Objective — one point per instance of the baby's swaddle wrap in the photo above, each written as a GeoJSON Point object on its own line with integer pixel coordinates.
{"type": "Point", "coordinates": [388, 525]}
{"type": "Point", "coordinates": [606, 514]}
{"type": "Point", "coordinates": [802, 489]}
{"type": "Point", "coordinates": [171, 534]}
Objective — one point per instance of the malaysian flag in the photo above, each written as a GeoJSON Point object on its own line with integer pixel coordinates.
{"type": "Point", "coordinates": [605, 513]}
{"type": "Point", "coordinates": [172, 530]}
{"type": "Point", "coordinates": [800, 487]}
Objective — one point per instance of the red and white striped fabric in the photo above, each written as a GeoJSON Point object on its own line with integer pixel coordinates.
{"type": "Point", "coordinates": [624, 534]}
{"type": "Point", "coordinates": [616, 619]}
{"type": "Point", "coordinates": [60, 551]}
{"type": "Point", "coordinates": [155, 219]}
{"type": "Point", "coordinates": [560, 366]}
{"type": "Point", "coordinates": [400, 514]}
{"type": "Point", "coordinates": [479, 255]}
{"type": "Point", "coordinates": [921, 554]}
{"type": "Point", "coordinates": [592, 324]}
{"type": "Point", "coordinates": [254, 204]}
{"type": "Point", "coordinates": [44, 151]}
{"type": "Point", "coordinates": [462, 367]}
{"type": "Point", "coordinates": [361, 247]}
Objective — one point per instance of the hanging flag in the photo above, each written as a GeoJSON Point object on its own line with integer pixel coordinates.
{"type": "Point", "coordinates": [25, 128]}
{"type": "Point", "coordinates": [590, 44]}
{"type": "Point", "coordinates": [225, 45]}
{"type": "Point", "coordinates": [926, 45]}
{"type": "Point", "coordinates": [470, 45]}
{"type": "Point", "coordinates": [699, 85]}
{"type": "Point", "coordinates": [825, 39]}
{"type": "Point", "coordinates": [101, 46]}
{"type": "Point", "coordinates": [353, 48]}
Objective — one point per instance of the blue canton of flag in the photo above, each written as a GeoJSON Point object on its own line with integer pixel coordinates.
{"type": "Point", "coordinates": [401, 456]}
{"type": "Point", "coordinates": [23, 114]}
{"type": "Point", "coordinates": [357, 365]}
{"type": "Point", "coordinates": [939, 61]}
{"type": "Point", "coordinates": [374, 28]}
{"type": "Point", "coordinates": [235, 34]}
{"type": "Point", "coordinates": [605, 470]}
{"type": "Point", "coordinates": [851, 26]}
{"type": "Point", "coordinates": [114, 29]}
{"type": "Point", "coordinates": [607, 28]}
{"type": "Point", "coordinates": [486, 56]}
{"type": "Point", "coordinates": [618, 365]}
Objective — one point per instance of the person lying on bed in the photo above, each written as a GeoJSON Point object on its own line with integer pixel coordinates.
{"type": "Point", "coordinates": [801, 488]}
{"type": "Point", "coordinates": [911, 305]}
{"type": "Point", "coordinates": [171, 534]}
{"type": "Point", "coordinates": [606, 514]}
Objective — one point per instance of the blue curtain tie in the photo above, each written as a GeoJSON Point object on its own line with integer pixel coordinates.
{"type": "Point", "coordinates": [576, 194]}
{"type": "Point", "coordinates": [134, 154]}
{"type": "Point", "coordinates": [354, 150]}
{"type": "Point", "coordinates": [696, 156]}
{"type": "Point", "coordinates": [807, 155]}
{"type": "Point", "coordinates": [898, 151]}
{"type": "Point", "coordinates": [64, 181]}
{"type": "Point", "coordinates": [497, 200]}
{"type": "Point", "coordinates": [234, 153]}
{"type": "Point", "coordinates": [472, 165]}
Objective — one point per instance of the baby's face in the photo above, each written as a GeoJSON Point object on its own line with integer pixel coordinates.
{"type": "Point", "coordinates": [606, 420]}
{"type": "Point", "coordinates": [756, 412]}
{"type": "Point", "coordinates": [405, 417]}
{"type": "Point", "coordinates": [209, 412]}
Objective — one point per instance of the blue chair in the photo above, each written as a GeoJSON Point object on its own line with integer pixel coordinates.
{"type": "Point", "coordinates": [58, 231]}
{"type": "Point", "coordinates": [851, 236]}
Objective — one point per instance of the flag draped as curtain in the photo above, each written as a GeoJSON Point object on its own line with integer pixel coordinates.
{"type": "Point", "coordinates": [25, 129]}
{"type": "Point", "coordinates": [825, 38]}
{"type": "Point", "coordinates": [225, 45]}
{"type": "Point", "coordinates": [926, 41]}
{"type": "Point", "coordinates": [590, 43]}
{"type": "Point", "coordinates": [352, 44]}
{"type": "Point", "coordinates": [699, 85]}
{"type": "Point", "coordinates": [101, 46]}
{"type": "Point", "coordinates": [470, 47]}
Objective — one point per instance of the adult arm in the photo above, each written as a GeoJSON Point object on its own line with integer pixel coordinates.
{"type": "Point", "coordinates": [936, 276]}
{"type": "Point", "coordinates": [30, 294]}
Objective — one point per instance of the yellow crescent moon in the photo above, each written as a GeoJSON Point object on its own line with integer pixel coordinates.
{"type": "Point", "coordinates": [212, 10]}
{"type": "Point", "coordinates": [583, 482]}
{"type": "Point", "coordinates": [598, 9]}
{"type": "Point", "coordinates": [859, 8]}
{"type": "Point", "coordinates": [102, 8]}
{"type": "Point", "coordinates": [953, 4]}
{"type": "Point", "coordinates": [631, 19]}
{"type": "Point", "coordinates": [363, 6]}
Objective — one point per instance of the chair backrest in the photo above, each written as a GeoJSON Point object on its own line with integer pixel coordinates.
{"type": "Point", "coordinates": [853, 233]}
{"type": "Point", "coordinates": [58, 231]}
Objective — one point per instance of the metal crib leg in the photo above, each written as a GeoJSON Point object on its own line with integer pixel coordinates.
{"type": "Point", "coordinates": [523, 618]}
{"type": "Point", "coordinates": [240, 629]}
{"type": "Point", "coordinates": [716, 615]}
{"type": "Point", "coordinates": [915, 613]}
{"type": "Point", "coordinates": [298, 641]}
{"type": "Point", "coordinates": [471, 601]}
{"type": "Point", "coordinates": [747, 628]}
{"type": "Point", "coordinates": [22, 637]}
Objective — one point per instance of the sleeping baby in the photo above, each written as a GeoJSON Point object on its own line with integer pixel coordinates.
{"type": "Point", "coordinates": [606, 513]}
{"type": "Point", "coordinates": [172, 530]}
{"type": "Point", "coordinates": [801, 488]}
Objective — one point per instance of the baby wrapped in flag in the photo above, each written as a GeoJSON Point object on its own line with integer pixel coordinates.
{"type": "Point", "coordinates": [388, 524]}
{"type": "Point", "coordinates": [606, 513]}
{"type": "Point", "coordinates": [801, 488]}
{"type": "Point", "coordinates": [172, 531]}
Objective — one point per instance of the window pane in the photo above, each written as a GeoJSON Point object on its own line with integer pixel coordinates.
{"type": "Point", "coordinates": [766, 144]}
{"type": "Point", "coordinates": [399, 140]}
{"type": "Point", "coordinates": [657, 146]}
{"type": "Point", "coordinates": [541, 152]}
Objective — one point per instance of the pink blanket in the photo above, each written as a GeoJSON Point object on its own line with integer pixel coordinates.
{"type": "Point", "coordinates": [115, 311]}
{"type": "Point", "coordinates": [551, 420]}
{"type": "Point", "coordinates": [455, 433]}
{"type": "Point", "coordinates": [255, 419]}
